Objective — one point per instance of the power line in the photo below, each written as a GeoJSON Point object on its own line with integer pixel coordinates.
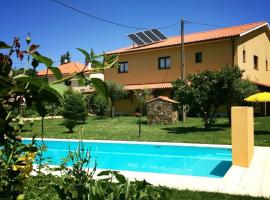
{"type": "Point", "coordinates": [134, 27]}
{"type": "Point", "coordinates": [109, 21]}
{"type": "Point", "coordinates": [204, 24]}
{"type": "Point", "coordinates": [212, 25]}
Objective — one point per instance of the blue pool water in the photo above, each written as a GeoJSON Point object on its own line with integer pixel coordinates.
{"type": "Point", "coordinates": [168, 159]}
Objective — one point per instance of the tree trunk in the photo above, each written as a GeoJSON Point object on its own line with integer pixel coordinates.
{"type": "Point", "coordinates": [229, 111]}
{"type": "Point", "coordinates": [206, 124]}
{"type": "Point", "coordinates": [42, 125]}
{"type": "Point", "coordinates": [112, 111]}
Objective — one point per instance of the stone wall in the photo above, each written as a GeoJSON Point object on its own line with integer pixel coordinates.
{"type": "Point", "coordinates": [161, 112]}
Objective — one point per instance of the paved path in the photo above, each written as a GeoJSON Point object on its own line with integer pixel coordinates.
{"type": "Point", "coordinates": [254, 181]}
{"type": "Point", "coordinates": [39, 118]}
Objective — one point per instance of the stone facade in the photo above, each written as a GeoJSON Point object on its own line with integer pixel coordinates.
{"type": "Point", "coordinates": [162, 110]}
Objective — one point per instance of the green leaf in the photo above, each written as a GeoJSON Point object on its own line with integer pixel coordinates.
{"type": "Point", "coordinates": [45, 91]}
{"type": "Point", "coordinates": [3, 45]}
{"type": "Point", "coordinates": [100, 86]}
{"type": "Point", "coordinates": [93, 55]}
{"type": "Point", "coordinates": [105, 173]}
{"type": "Point", "coordinates": [120, 177]}
{"type": "Point", "coordinates": [42, 59]}
{"type": "Point", "coordinates": [87, 56]}
{"type": "Point", "coordinates": [56, 72]}
{"type": "Point", "coordinates": [60, 88]}
{"type": "Point", "coordinates": [65, 78]}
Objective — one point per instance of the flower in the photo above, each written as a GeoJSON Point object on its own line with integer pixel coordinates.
{"type": "Point", "coordinates": [24, 164]}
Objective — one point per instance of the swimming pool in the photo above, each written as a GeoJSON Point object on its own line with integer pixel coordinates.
{"type": "Point", "coordinates": [144, 157]}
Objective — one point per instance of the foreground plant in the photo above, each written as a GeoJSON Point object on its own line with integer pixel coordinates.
{"type": "Point", "coordinates": [78, 181]}
{"type": "Point", "coordinates": [15, 157]}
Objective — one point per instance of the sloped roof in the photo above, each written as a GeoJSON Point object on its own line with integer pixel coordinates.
{"type": "Point", "coordinates": [66, 69]}
{"type": "Point", "coordinates": [164, 98]}
{"type": "Point", "coordinates": [148, 86]}
{"type": "Point", "coordinates": [220, 33]}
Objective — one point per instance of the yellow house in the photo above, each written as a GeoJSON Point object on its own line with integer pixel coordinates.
{"type": "Point", "coordinates": [156, 65]}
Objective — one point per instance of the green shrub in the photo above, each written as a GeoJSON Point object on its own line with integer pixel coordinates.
{"type": "Point", "coordinates": [73, 109]}
{"type": "Point", "coordinates": [29, 112]}
{"type": "Point", "coordinates": [69, 124]}
{"type": "Point", "coordinates": [54, 110]}
{"type": "Point", "coordinates": [97, 104]}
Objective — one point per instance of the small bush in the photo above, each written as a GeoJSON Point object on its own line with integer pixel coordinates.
{"type": "Point", "coordinates": [54, 110]}
{"type": "Point", "coordinates": [29, 112]}
{"type": "Point", "coordinates": [74, 109]}
{"type": "Point", "coordinates": [97, 104]}
{"type": "Point", "coordinates": [69, 124]}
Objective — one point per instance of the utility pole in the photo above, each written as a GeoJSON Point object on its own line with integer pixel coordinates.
{"type": "Point", "coordinates": [183, 63]}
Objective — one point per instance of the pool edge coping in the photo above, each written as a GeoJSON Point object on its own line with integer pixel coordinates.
{"type": "Point", "coordinates": [136, 142]}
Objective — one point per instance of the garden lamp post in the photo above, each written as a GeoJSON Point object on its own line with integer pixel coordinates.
{"type": "Point", "coordinates": [139, 114]}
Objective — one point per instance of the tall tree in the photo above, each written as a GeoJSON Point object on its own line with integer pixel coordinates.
{"type": "Point", "coordinates": [227, 76]}
{"type": "Point", "coordinates": [201, 93]}
{"type": "Point", "coordinates": [65, 58]}
{"type": "Point", "coordinates": [115, 92]}
{"type": "Point", "coordinates": [143, 96]}
{"type": "Point", "coordinates": [207, 90]}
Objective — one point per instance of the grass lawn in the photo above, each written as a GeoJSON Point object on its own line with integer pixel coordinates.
{"type": "Point", "coordinates": [174, 194]}
{"type": "Point", "coordinates": [126, 128]}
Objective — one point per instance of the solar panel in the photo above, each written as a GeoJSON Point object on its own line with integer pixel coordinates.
{"type": "Point", "coordinates": [151, 36]}
{"type": "Point", "coordinates": [142, 36]}
{"type": "Point", "coordinates": [159, 34]}
{"type": "Point", "coordinates": [136, 39]}
{"type": "Point", "coordinates": [147, 37]}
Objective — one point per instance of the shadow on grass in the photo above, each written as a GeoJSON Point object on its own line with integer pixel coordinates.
{"type": "Point", "coordinates": [187, 130]}
{"type": "Point", "coordinates": [26, 130]}
{"type": "Point", "coordinates": [261, 132]}
{"type": "Point", "coordinates": [225, 125]}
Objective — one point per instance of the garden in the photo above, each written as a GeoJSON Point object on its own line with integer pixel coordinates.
{"type": "Point", "coordinates": [19, 179]}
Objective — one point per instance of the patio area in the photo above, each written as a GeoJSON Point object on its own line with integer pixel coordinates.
{"type": "Point", "coordinates": [253, 181]}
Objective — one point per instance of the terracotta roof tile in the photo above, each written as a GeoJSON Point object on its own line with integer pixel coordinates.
{"type": "Point", "coordinates": [148, 86]}
{"type": "Point", "coordinates": [66, 69]}
{"type": "Point", "coordinates": [164, 98]}
{"type": "Point", "coordinates": [221, 33]}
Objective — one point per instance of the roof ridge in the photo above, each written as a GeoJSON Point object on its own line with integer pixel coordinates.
{"type": "Point", "coordinates": [222, 28]}
{"type": "Point", "coordinates": [212, 34]}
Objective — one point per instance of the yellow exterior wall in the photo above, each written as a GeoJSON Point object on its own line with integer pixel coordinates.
{"type": "Point", "coordinates": [242, 133]}
{"type": "Point", "coordinates": [143, 66]}
{"type": "Point", "coordinates": [129, 105]}
{"type": "Point", "coordinates": [255, 43]}
{"type": "Point", "coordinates": [215, 55]}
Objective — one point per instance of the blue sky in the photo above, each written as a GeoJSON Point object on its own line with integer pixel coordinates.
{"type": "Point", "coordinates": [58, 29]}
